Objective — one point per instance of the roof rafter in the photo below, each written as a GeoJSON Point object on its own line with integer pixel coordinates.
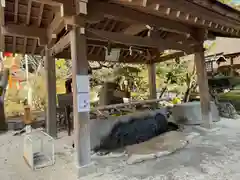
{"type": "Point", "coordinates": [115, 11]}
{"type": "Point", "coordinates": [25, 31]}
{"type": "Point", "coordinates": [135, 29]}
{"type": "Point", "coordinates": [125, 39]}
{"type": "Point", "coordinates": [185, 11]}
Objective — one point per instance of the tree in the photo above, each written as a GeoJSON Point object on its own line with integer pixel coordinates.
{"type": "Point", "coordinates": [191, 83]}
{"type": "Point", "coordinates": [226, 1]}
{"type": "Point", "coordinates": [173, 74]}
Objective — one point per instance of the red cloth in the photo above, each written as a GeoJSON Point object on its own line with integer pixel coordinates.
{"type": "Point", "coordinates": [8, 54]}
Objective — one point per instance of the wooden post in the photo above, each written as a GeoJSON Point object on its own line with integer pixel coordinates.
{"type": "Point", "coordinates": [231, 66]}
{"type": "Point", "coordinates": [81, 118]}
{"type": "Point", "coordinates": [203, 85]}
{"type": "Point", "coordinates": [51, 123]}
{"type": "Point", "coordinates": [28, 84]}
{"type": "Point", "coordinates": [152, 81]}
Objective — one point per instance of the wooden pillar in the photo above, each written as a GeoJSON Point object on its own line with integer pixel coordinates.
{"type": "Point", "coordinates": [152, 81]}
{"type": "Point", "coordinates": [231, 66]}
{"type": "Point", "coordinates": [203, 86]}
{"type": "Point", "coordinates": [51, 122]}
{"type": "Point", "coordinates": [80, 87]}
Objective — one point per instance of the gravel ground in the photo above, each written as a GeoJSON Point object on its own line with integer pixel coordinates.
{"type": "Point", "coordinates": [211, 156]}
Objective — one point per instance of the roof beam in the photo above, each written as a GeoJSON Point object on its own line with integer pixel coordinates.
{"type": "Point", "coordinates": [119, 38]}
{"type": "Point", "coordinates": [180, 38]}
{"type": "Point", "coordinates": [40, 15]}
{"type": "Point", "coordinates": [34, 46]}
{"type": "Point", "coordinates": [192, 8]}
{"type": "Point", "coordinates": [25, 45]}
{"type": "Point", "coordinates": [16, 11]}
{"type": "Point", "coordinates": [54, 28]}
{"type": "Point", "coordinates": [29, 12]}
{"type": "Point", "coordinates": [220, 8]}
{"type": "Point", "coordinates": [130, 40]}
{"type": "Point", "coordinates": [168, 57]}
{"type": "Point", "coordinates": [14, 45]}
{"type": "Point", "coordinates": [115, 11]}
{"type": "Point", "coordinates": [2, 22]}
{"type": "Point", "coordinates": [25, 31]}
{"type": "Point", "coordinates": [135, 29]}
{"type": "Point", "coordinates": [92, 57]}
{"type": "Point", "coordinates": [62, 44]}
{"type": "Point", "coordinates": [66, 7]}
{"type": "Point", "coordinates": [182, 10]}
{"type": "Point", "coordinates": [50, 2]}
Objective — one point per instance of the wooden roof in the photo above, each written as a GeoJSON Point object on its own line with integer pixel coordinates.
{"type": "Point", "coordinates": [147, 26]}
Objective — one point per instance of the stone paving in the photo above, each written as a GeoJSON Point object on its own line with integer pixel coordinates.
{"type": "Point", "coordinates": [210, 156]}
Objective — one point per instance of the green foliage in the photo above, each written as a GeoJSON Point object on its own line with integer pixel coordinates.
{"type": "Point", "coordinates": [129, 73]}
{"type": "Point", "coordinates": [62, 69]}
{"type": "Point", "coordinates": [169, 74]}
{"type": "Point", "coordinates": [226, 1]}
{"type": "Point", "coordinates": [172, 75]}
{"type": "Point", "coordinates": [38, 85]}
{"type": "Point", "coordinates": [13, 102]}
{"type": "Point", "coordinates": [101, 75]}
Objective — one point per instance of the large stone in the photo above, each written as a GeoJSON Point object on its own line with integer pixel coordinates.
{"type": "Point", "coordinates": [130, 128]}
{"type": "Point", "coordinates": [156, 147]}
{"type": "Point", "coordinates": [190, 113]}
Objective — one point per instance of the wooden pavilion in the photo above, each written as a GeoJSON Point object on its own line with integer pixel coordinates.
{"type": "Point", "coordinates": [84, 31]}
{"type": "Point", "coordinates": [228, 49]}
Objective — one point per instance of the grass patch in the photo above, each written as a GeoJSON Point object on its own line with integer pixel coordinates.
{"type": "Point", "coordinates": [232, 95]}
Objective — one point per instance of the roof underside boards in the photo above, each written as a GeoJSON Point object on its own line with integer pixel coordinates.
{"type": "Point", "coordinates": [142, 29]}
